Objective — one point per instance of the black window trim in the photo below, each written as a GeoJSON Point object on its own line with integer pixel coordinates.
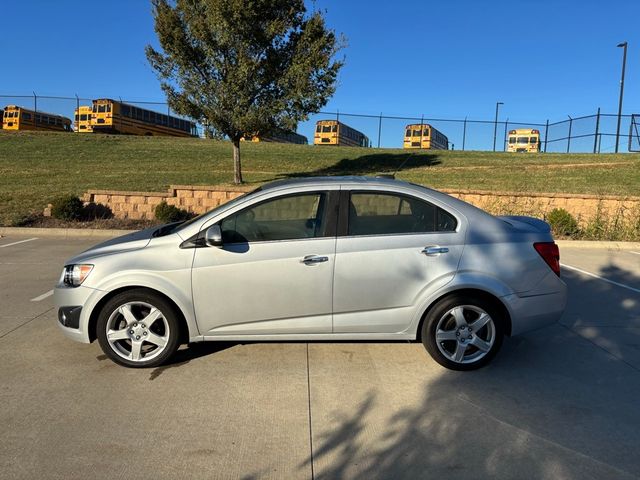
{"type": "Point", "coordinates": [343, 215]}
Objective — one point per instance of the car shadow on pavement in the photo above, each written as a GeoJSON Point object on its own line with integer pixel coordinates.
{"type": "Point", "coordinates": [553, 404]}
{"type": "Point", "coordinates": [191, 352]}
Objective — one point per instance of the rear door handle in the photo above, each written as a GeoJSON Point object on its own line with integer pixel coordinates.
{"type": "Point", "coordinates": [434, 250]}
{"type": "Point", "coordinates": [311, 259]}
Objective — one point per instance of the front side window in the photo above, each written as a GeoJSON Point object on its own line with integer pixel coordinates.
{"type": "Point", "coordinates": [286, 218]}
{"type": "Point", "coordinates": [408, 133]}
{"type": "Point", "coordinates": [385, 214]}
{"type": "Point", "coordinates": [533, 140]}
{"type": "Point", "coordinates": [512, 140]}
{"type": "Point", "coordinates": [319, 129]}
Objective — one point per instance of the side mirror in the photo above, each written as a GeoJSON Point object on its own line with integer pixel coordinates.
{"type": "Point", "coordinates": [213, 236]}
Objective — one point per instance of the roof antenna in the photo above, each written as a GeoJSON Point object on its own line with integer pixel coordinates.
{"type": "Point", "coordinates": [392, 176]}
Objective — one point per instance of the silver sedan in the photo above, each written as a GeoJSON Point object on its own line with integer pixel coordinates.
{"type": "Point", "coordinates": [336, 258]}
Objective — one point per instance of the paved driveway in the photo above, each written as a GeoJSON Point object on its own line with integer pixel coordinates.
{"type": "Point", "coordinates": [562, 402]}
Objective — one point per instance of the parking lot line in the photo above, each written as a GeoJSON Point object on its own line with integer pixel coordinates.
{"type": "Point", "coordinates": [43, 296]}
{"type": "Point", "coordinates": [16, 243]}
{"type": "Point", "coordinates": [584, 272]}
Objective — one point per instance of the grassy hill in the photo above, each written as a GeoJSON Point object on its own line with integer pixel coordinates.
{"type": "Point", "coordinates": [36, 167]}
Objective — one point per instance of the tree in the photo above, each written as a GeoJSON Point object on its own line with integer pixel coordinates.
{"type": "Point", "coordinates": [244, 67]}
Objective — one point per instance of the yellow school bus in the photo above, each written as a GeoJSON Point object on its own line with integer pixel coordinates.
{"type": "Point", "coordinates": [333, 132]}
{"type": "Point", "coordinates": [109, 116]}
{"type": "Point", "coordinates": [281, 137]}
{"type": "Point", "coordinates": [524, 140]}
{"type": "Point", "coordinates": [424, 136]}
{"type": "Point", "coordinates": [82, 120]}
{"type": "Point", "coordinates": [20, 118]}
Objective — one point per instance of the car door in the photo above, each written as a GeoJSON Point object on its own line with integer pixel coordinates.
{"type": "Point", "coordinates": [274, 272]}
{"type": "Point", "coordinates": [393, 248]}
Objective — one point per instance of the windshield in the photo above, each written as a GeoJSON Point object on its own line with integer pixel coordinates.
{"type": "Point", "coordinates": [180, 226]}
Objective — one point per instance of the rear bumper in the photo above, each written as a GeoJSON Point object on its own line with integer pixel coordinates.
{"type": "Point", "coordinates": [534, 312]}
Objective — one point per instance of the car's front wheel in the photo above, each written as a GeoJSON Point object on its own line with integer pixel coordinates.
{"type": "Point", "coordinates": [463, 332]}
{"type": "Point", "coordinates": [138, 328]}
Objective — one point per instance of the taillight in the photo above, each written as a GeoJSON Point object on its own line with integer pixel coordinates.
{"type": "Point", "coordinates": [550, 253]}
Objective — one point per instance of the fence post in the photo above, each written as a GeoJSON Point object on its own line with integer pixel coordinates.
{"type": "Point", "coordinates": [379, 128]}
{"type": "Point", "coordinates": [120, 98]}
{"type": "Point", "coordinates": [337, 115]}
{"type": "Point", "coordinates": [504, 146]}
{"type": "Point", "coordinates": [595, 137]}
{"type": "Point", "coordinates": [546, 134]}
{"type": "Point", "coordinates": [76, 121]}
{"type": "Point", "coordinates": [599, 142]}
{"type": "Point", "coordinates": [464, 133]}
{"type": "Point", "coordinates": [421, 129]}
{"type": "Point", "coordinates": [569, 136]}
{"type": "Point", "coordinates": [35, 109]}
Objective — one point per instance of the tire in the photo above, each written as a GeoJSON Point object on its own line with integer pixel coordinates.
{"type": "Point", "coordinates": [138, 329]}
{"type": "Point", "coordinates": [463, 332]}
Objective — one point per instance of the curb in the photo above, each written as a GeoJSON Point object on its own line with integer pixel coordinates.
{"type": "Point", "coordinates": [64, 232]}
{"type": "Point", "coordinates": [599, 244]}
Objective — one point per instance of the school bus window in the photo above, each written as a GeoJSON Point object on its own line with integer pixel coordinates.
{"type": "Point", "coordinates": [523, 140]}
{"type": "Point", "coordinates": [318, 129]}
{"type": "Point", "coordinates": [426, 132]}
{"type": "Point", "coordinates": [512, 140]}
{"type": "Point", "coordinates": [533, 140]}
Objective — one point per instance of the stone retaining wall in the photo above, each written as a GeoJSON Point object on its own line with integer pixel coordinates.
{"type": "Point", "coordinates": [198, 199]}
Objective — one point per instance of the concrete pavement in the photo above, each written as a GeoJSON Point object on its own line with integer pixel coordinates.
{"type": "Point", "coordinates": [558, 403]}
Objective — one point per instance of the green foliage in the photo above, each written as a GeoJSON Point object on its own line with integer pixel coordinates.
{"type": "Point", "coordinates": [170, 213]}
{"type": "Point", "coordinates": [67, 207]}
{"type": "Point", "coordinates": [244, 67]}
{"type": "Point", "coordinates": [70, 208]}
{"type": "Point", "coordinates": [562, 222]}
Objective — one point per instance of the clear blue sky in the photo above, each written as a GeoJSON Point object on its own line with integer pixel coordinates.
{"type": "Point", "coordinates": [447, 59]}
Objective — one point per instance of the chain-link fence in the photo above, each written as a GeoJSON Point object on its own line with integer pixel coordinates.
{"type": "Point", "coordinates": [593, 133]}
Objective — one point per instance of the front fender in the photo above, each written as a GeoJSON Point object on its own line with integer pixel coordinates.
{"type": "Point", "coordinates": [177, 288]}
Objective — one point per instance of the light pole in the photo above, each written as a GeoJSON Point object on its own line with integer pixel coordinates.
{"type": "Point", "coordinates": [495, 125]}
{"type": "Point", "coordinates": [624, 64]}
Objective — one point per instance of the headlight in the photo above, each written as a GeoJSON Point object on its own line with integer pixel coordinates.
{"type": "Point", "coordinates": [74, 275]}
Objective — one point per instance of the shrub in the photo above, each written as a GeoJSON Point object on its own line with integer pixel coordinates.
{"type": "Point", "coordinates": [95, 211]}
{"type": "Point", "coordinates": [170, 213]}
{"type": "Point", "coordinates": [562, 222]}
{"type": "Point", "coordinates": [66, 207]}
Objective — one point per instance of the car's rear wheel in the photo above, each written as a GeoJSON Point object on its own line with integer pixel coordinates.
{"type": "Point", "coordinates": [138, 328]}
{"type": "Point", "coordinates": [463, 332]}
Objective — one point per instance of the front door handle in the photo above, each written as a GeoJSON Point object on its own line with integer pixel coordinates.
{"type": "Point", "coordinates": [434, 250]}
{"type": "Point", "coordinates": [311, 259]}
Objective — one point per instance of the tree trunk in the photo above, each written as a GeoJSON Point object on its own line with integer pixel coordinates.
{"type": "Point", "coordinates": [237, 170]}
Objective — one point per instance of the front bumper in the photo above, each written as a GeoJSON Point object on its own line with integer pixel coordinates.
{"type": "Point", "coordinates": [67, 301]}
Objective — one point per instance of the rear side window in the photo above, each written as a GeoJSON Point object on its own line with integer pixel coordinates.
{"type": "Point", "coordinates": [387, 214]}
